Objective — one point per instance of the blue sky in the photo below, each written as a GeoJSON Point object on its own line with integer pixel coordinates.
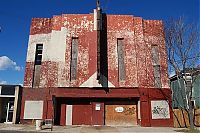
{"type": "Point", "coordinates": [15, 18]}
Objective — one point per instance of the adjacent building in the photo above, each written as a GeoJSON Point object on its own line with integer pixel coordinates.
{"type": "Point", "coordinates": [180, 101]}
{"type": "Point", "coordinates": [179, 89]}
{"type": "Point", "coordinates": [10, 103]}
{"type": "Point", "coordinates": [97, 69]}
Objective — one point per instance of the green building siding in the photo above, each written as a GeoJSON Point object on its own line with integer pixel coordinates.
{"type": "Point", "coordinates": [178, 98]}
{"type": "Point", "coordinates": [196, 91]}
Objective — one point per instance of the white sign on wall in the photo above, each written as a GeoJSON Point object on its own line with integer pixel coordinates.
{"type": "Point", "coordinates": [98, 107]}
{"type": "Point", "coordinates": [119, 109]}
{"type": "Point", "coordinates": [160, 109]}
{"type": "Point", "coordinates": [33, 110]}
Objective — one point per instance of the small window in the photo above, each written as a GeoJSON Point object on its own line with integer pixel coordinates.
{"type": "Point", "coordinates": [121, 65]}
{"type": "Point", "coordinates": [38, 54]}
{"type": "Point", "coordinates": [7, 90]}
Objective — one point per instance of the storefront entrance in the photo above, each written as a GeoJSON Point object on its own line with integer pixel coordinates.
{"type": "Point", "coordinates": [9, 114]}
{"type": "Point", "coordinates": [116, 112]}
{"type": "Point", "coordinates": [6, 110]}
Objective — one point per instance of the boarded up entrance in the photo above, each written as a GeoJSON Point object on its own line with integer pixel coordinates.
{"type": "Point", "coordinates": [120, 115]}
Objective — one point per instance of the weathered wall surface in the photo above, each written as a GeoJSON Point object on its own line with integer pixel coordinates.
{"type": "Point", "coordinates": [56, 36]}
{"type": "Point", "coordinates": [154, 35]}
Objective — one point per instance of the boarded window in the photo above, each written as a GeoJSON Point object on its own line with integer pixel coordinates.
{"type": "Point", "coordinates": [160, 109]}
{"type": "Point", "coordinates": [155, 55]}
{"type": "Point", "coordinates": [36, 78]}
{"type": "Point", "coordinates": [157, 76]}
{"type": "Point", "coordinates": [121, 65]}
{"type": "Point", "coordinates": [156, 66]}
{"type": "Point", "coordinates": [74, 56]}
{"type": "Point", "coordinates": [33, 110]}
{"type": "Point", "coordinates": [38, 62]}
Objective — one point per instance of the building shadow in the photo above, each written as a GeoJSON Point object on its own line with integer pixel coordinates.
{"type": "Point", "coordinates": [103, 53]}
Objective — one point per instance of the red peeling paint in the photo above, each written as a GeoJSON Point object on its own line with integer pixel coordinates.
{"type": "Point", "coordinates": [138, 34]}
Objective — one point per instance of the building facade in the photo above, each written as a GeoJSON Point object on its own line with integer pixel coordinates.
{"type": "Point", "coordinates": [97, 69]}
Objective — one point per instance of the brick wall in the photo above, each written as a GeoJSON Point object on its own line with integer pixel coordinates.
{"type": "Point", "coordinates": [56, 35]}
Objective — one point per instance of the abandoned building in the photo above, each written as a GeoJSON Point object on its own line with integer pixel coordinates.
{"type": "Point", "coordinates": [97, 69]}
{"type": "Point", "coordinates": [10, 103]}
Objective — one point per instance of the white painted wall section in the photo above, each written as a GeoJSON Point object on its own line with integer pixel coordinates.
{"type": "Point", "coordinates": [55, 50]}
{"type": "Point", "coordinates": [95, 19]}
{"type": "Point", "coordinates": [33, 40]}
{"type": "Point", "coordinates": [93, 82]}
{"type": "Point", "coordinates": [69, 114]}
{"type": "Point", "coordinates": [54, 45]}
{"type": "Point", "coordinates": [139, 115]}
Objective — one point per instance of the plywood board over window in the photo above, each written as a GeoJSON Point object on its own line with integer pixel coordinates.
{"type": "Point", "coordinates": [120, 115]}
{"type": "Point", "coordinates": [74, 56]}
{"type": "Point", "coordinates": [160, 109]}
{"type": "Point", "coordinates": [33, 110]}
{"type": "Point", "coordinates": [121, 64]}
{"type": "Point", "coordinates": [156, 66]}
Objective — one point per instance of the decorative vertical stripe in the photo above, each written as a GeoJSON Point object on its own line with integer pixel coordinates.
{"type": "Point", "coordinates": [95, 19]}
{"type": "Point", "coordinates": [68, 114]}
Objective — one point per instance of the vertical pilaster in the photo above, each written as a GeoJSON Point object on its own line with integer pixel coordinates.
{"type": "Point", "coordinates": [15, 104]}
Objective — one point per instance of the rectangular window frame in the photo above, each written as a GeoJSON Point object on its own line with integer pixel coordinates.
{"type": "Point", "coordinates": [121, 62]}
{"type": "Point", "coordinates": [38, 54]}
{"type": "Point", "coordinates": [37, 65]}
{"type": "Point", "coordinates": [156, 66]}
{"type": "Point", "coordinates": [74, 58]}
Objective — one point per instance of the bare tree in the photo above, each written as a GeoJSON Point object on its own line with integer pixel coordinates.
{"type": "Point", "coordinates": [182, 41]}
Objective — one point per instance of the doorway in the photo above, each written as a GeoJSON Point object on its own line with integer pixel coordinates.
{"type": "Point", "coordinates": [9, 114]}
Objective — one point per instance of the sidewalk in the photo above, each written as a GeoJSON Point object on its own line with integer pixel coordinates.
{"type": "Point", "coordinates": [88, 129]}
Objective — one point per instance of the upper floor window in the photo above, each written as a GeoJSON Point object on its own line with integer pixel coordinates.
{"type": "Point", "coordinates": [121, 65]}
{"type": "Point", "coordinates": [37, 66]}
{"type": "Point", "coordinates": [156, 66]}
{"type": "Point", "coordinates": [38, 54]}
{"type": "Point", "coordinates": [74, 56]}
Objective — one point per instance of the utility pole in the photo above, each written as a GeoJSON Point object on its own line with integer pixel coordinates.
{"type": "Point", "coordinates": [98, 3]}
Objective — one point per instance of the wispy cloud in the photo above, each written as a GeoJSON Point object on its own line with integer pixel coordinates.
{"type": "Point", "coordinates": [7, 63]}
{"type": "Point", "coordinates": [3, 82]}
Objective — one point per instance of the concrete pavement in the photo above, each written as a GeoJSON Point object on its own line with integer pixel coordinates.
{"type": "Point", "coordinates": [9, 128]}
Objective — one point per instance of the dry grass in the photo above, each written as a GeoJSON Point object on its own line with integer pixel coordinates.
{"type": "Point", "coordinates": [188, 131]}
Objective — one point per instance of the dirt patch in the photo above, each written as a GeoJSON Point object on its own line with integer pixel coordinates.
{"type": "Point", "coordinates": [188, 131]}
